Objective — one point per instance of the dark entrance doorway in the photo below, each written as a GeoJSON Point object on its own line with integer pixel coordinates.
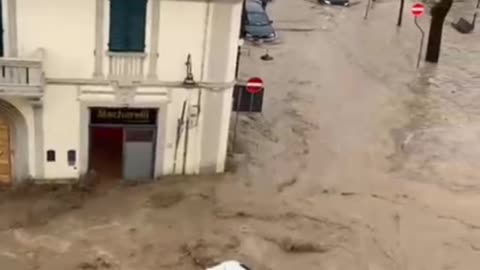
{"type": "Point", "coordinates": [106, 152]}
{"type": "Point", "coordinates": [122, 143]}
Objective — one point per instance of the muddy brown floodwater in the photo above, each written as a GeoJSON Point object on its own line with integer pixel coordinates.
{"type": "Point", "coordinates": [358, 162]}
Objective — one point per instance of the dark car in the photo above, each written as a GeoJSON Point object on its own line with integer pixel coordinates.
{"type": "Point", "coordinates": [257, 24]}
{"type": "Point", "coordinates": [344, 3]}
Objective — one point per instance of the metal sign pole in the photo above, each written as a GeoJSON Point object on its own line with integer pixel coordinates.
{"type": "Point", "coordinates": [185, 142]}
{"type": "Point", "coordinates": [180, 123]}
{"type": "Point", "coordinates": [421, 41]}
{"type": "Point", "coordinates": [239, 99]}
{"type": "Point", "coordinates": [251, 103]}
{"type": "Point", "coordinates": [400, 13]}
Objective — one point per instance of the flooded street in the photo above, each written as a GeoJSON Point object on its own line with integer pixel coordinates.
{"type": "Point", "coordinates": [366, 138]}
{"type": "Point", "coordinates": [358, 162]}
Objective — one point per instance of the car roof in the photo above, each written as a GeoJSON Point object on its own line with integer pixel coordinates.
{"type": "Point", "coordinates": [254, 6]}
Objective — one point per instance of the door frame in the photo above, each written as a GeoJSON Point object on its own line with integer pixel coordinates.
{"type": "Point", "coordinates": [123, 127]}
{"type": "Point", "coordinates": [86, 107]}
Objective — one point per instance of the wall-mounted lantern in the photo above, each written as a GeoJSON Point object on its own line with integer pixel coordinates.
{"type": "Point", "coordinates": [189, 80]}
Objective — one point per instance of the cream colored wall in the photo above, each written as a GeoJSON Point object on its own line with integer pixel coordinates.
{"type": "Point", "coordinates": [181, 32]}
{"type": "Point", "coordinates": [226, 109]}
{"type": "Point", "coordinates": [61, 123]}
{"type": "Point", "coordinates": [221, 62]}
{"type": "Point", "coordinates": [65, 29]}
{"type": "Point", "coordinates": [171, 67]}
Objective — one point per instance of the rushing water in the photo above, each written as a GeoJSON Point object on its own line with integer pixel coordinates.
{"type": "Point", "coordinates": [444, 103]}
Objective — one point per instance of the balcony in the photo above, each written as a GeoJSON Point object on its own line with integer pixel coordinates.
{"type": "Point", "coordinates": [126, 67]}
{"type": "Point", "coordinates": [20, 77]}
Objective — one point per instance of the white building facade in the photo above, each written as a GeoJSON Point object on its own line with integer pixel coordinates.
{"type": "Point", "coordinates": [92, 83]}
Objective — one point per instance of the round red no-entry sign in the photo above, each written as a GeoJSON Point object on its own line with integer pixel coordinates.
{"type": "Point", "coordinates": [418, 9]}
{"type": "Point", "coordinates": [254, 85]}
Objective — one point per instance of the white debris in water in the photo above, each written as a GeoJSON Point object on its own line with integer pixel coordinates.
{"type": "Point", "coordinates": [432, 81]}
{"type": "Point", "coordinates": [228, 265]}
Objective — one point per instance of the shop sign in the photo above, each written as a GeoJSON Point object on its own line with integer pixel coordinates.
{"type": "Point", "coordinates": [123, 116]}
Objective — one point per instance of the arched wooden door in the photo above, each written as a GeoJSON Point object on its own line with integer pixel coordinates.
{"type": "Point", "coordinates": [5, 161]}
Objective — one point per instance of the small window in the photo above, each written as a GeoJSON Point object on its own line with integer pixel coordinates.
{"type": "Point", "coordinates": [71, 157]}
{"type": "Point", "coordinates": [51, 155]}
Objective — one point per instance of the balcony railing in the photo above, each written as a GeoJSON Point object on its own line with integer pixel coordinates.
{"type": "Point", "coordinates": [20, 77]}
{"type": "Point", "coordinates": [126, 66]}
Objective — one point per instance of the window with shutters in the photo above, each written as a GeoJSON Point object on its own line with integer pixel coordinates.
{"type": "Point", "coordinates": [127, 25]}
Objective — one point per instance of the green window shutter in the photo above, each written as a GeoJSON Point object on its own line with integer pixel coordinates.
{"type": "Point", "coordinates": [118, 25]}
{"type": "Point", "coordinates": [137, 14]}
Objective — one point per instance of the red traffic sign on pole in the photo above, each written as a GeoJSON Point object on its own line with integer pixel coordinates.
{"type": "Point", "coordinates": [254, 85]}
{"type": "Point", "coordinates": [418, 9]}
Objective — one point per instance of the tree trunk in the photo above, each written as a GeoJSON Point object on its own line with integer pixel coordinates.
{"type": "Point", "coordinates": [438, 12]}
